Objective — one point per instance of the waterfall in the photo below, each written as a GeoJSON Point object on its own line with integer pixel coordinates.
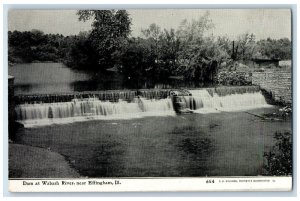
{"type": "Point", "coordinates": [68, 108]}
{"type": "Point", "coordinates": [112, 96]}
{"type": "Point", "coordinates": [202, 101]}
{"type": "Point", "coordinates": [39, 114]}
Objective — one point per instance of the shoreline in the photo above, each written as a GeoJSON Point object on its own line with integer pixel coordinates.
{"type": "Point", "coordinates": [27, 161]}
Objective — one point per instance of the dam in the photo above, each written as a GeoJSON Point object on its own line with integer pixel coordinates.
{"type": "Point", "coordinates": [47, 109]}
{"type": "Point", "coordinates": [152, 132]}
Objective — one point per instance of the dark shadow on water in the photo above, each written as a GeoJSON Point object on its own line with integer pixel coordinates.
{"type": "Point", "coordinates": [105, 163]}
{"type": "Point", "coordinates": [84, 85]}
{"type": "Point", "coordinates": [23, 88]}
{"type": "Point", "coordinates": [194, 147]}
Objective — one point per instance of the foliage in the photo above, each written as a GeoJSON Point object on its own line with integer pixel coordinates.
{"type": "Point", "coordinates": [199, 53]}
{"type": "Point", "coordinates": [34, 45]}
{"type": "Point", "coordinates": [168, 52]}
{"type": "Point", "coordinates": [110, 30]}
{"type": "Point", "coordinates": [189, 53]}
{"type": "Point", "coordinates": [163, 47]}
{"type": "Point", "coordinates": [152, 58]}
{"type": "Point", "coordinates": [277, 49]}
{"type": "Point", "coordinates": [245, 47]}
{"type": "Point", "coordinates": [279, 159]}
{"type": "Point", "coordinates": [137, 62]}
{"type": "Point", "coordinates": [234, 78]}
{"type": "Point", "coordinates": [81, 54]}
{"type": "Point", "coordinates": [225, 44]}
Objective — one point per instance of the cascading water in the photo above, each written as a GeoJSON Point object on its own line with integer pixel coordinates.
{"type": "Point", "coordinates": [89, 109]}
{"type": "Point", "coordinates": [202, 101]}
{"type": "Point", "coordinates": [199, 99]}
{"type": "Point", "coordinates": [152, 103]}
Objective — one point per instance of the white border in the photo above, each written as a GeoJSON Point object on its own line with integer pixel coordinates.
{"type": "Point", "coordinates": [3, 103]}
{"type": "Point", "coordinates": [154, 184]}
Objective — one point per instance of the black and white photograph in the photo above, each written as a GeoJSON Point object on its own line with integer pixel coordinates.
{"type": "Point", "coordinates": [149, 93]}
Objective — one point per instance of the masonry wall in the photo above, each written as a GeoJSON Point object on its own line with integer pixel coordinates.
{"type": "Point", "coordinates": [11, 96]}
{"type": "Point", "coordinates": [277, 83]}
{"type": "Point", "coordinates": [11, 106]}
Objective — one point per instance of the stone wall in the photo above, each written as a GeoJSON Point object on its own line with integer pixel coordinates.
{"type": "Point", "coordinates": [11, 106]}
{"type": "Point", "coordinates": [277, 83]}
{"type": "Point", "coordinates": [10, 96]}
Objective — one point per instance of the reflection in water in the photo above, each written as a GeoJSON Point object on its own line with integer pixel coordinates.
{"type": "Point", "coordinates": [41, 78]}
{"type": "Point", "coordinates": [23, 88]}
{"type": "Point", "coordinates": [87, 85]}
{"type": "Point", "coordinates": [45, 77]}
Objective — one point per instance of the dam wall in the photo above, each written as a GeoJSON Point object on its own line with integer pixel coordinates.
{"type": "Point", "coordinates": [127, 95]}
{"type": "Point", "coordinates": [38, 110]}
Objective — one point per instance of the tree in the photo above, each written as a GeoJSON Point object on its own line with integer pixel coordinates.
{"type": "Point", "coordinates": [198, 51]}
{"type": "Point", "coordinates": [195, 30]}
{"type": "Point", "coordinates": [164, 47]}
{"type": "Point", "coordinates": [246, 46]}
{"type": "Point", "coordinates": [153, 32]}
{"type": "Point", "coordinates": [275, 49]}
{"type": "Point", "coordinates": [110, 32]}
{"type": "Point", "coordinates": [81, 54]}
{"type": "Point", "coordinates": [169, 47]}
{"type": "Point", "coordinates": [29, 46]}
{"type": "Point", "coordinates": [137, 63]}
{"type": "Point", "coordinates": [225, 44]}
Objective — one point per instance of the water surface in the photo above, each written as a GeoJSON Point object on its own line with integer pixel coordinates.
{"type": "Point", "coordinates": [34, 78]}
{"type": "Point", "coordinates": [218, 144]}
{"type": "Point", "coordinates": [45, 78]}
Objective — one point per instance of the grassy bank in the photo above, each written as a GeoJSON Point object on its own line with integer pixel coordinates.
{"type": "Point", "coordinates": [33, 162]}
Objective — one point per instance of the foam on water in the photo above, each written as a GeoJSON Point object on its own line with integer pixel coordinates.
{"type": "Point", "coordinates": [202, 102]}
{"type": "Point", "coordinates": [87, 109]}
{"type": "Point", "coordinates": [31, 115]}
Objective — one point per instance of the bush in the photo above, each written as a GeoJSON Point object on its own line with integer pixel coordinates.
{"type": "Point", "coordinates": [279, 159]}
{"type": "Point", "coordinates": [234, 78]}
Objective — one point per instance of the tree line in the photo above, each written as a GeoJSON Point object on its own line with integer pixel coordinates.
{"type": "Point", "coordinates": [190, 52]}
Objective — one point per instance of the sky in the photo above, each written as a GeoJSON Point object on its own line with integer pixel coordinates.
{"type": "Point", "coordinates": [264, 23]}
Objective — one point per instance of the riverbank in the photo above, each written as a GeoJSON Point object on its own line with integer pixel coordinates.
{"type": "Point", "coordinates": [33, 162]}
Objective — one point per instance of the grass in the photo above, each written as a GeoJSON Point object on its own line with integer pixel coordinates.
{"type": "Point", "coordinates": [33, 162]}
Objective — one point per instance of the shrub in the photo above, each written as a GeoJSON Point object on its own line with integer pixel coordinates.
{"type": "Point", "coordinates": [279, 159]}
{"type": "Point", "coordinates": [234, 78]}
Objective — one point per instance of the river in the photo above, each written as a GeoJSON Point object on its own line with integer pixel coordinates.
{"type": "Point", "coordinates": [217, 144]}
{"type": "Point", "coordinates": [45, 78]}
{"type": "Point", "coordinates": [103, 139]}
